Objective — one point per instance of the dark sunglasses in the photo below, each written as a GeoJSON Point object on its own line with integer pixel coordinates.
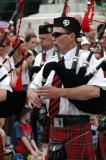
{"type": "Point", "coordinates": [58, 34]}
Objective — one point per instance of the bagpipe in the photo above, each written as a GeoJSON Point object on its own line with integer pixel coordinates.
{"type": "Point", "coordinates": [15, 100]}
{"type": "Point", "coordinates": [36, 69]}
{"type": "Point", "coordinates": [12, 20]}
{"type": "Point", "coordinates": [71, 79]}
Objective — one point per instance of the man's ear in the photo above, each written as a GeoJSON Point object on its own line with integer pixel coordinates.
{"type": "Point", "coordinates": [72, 36]}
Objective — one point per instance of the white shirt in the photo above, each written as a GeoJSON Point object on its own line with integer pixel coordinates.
{"type": "Point", "coordinates": [38, 58]}
{"type": "Point", "coordinates": [65, 106]}
{"type": "Point", "coordinates": [5, 84]}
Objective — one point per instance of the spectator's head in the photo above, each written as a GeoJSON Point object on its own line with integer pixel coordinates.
{"type": "Point", "coordinates": [45, 36]}
{"type": "Point", "coordinates": [103, 41]}
{"type": "Point", "coordinates": [92, 34]}
{"type": "Point", "coordinates": [78, 18]}
{"type": "Point", "coordinates": [29, 24]}
{"type": "Point", "coordinates": [98, 51]}
{"type": "Point", "coordinates": [85, 44]}
{"type": "Point", "coordinates": [26, 114]}
{"type": "Point", "coordinates": [31, 41]}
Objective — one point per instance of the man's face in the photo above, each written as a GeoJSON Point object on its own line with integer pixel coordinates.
{"type": "Point", "coordinates": [61, 38]}
{"type": "Point", "coordinates": [92, 33]}
{"type": "Point", "coordinates": [46, 41]}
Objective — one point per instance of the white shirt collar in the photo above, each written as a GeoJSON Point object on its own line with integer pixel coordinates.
{"type": "Point", "coordinates": [70, 53]}
{"type": "Point", "coordinates": [49, 51]}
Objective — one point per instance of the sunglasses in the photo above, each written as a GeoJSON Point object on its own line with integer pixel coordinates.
{"type": "Point", "coordinates": [58, 34]}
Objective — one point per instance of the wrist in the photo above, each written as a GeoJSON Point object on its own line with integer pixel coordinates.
{"type": "Point", "coordinates": [63, 92]}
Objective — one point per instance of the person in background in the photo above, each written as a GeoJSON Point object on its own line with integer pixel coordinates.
{"type": "Point", "coordinates": [46, 44]}
{"type": "Point", "coordinates": [78, 18]}
{"type": "Point", "coordinates": [98, 52]}
{"type": "Point", "coordinates": [28, 29]}
{"type": "Point", "coordinates": [94, 128]}
{"type": "Point", "coordinates": [31, 43]}
{"type": "Point", "coordinates": [85, 44]}
{"type": "Point", "coordinates": [103, 42]}
{"type": "Point", "coordinates": [22, 135]}
{"type": "Point", "coordinates": [44, 56]}
{"type": "Point", "coordinates": [91, 36]}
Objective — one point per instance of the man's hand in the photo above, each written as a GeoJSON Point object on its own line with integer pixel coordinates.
{"type": "Point", "coordinates": [49, 92]}
{"type": "Point", "coordinates": [3, 95]}
{"type": "Point", "coordinates": [33, 97]}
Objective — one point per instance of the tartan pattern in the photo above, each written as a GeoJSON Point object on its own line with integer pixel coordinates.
{"type": "Point", "coordinates": [54, 103]}
{"type": "Point", "coordinates": [79, 149]}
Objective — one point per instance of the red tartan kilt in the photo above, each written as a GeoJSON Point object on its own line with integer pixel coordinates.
{"type": "Point", "coordinates": [80, 148]}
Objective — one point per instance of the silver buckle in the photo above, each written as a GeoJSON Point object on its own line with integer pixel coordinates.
{"type": "Point", "coordinates": [58, 122]}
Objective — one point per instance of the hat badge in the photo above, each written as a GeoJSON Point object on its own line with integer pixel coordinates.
{"type": "Point", "coordinates": [66, 22]}
{"type": "Point", "coordinates": [49, 30]}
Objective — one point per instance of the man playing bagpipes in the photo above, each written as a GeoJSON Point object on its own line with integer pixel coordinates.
{"type": "Point", "coordinates": [46, 45]}
{"type": "Point", "coordinates": [70, 135]}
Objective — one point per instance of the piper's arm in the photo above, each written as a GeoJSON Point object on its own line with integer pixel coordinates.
{"type": "Point", "coordinates": [83, 92]}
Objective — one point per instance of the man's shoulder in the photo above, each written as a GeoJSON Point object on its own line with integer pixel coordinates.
{"type": "Point", "coordinates": [38, 55]}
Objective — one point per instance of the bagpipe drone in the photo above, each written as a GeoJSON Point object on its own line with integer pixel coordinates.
{"type": "Point", "coordinates": [19, 7]}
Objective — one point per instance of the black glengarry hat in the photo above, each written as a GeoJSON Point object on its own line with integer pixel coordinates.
{"type": "Point", "coordinates": [46, 29]}
{"type": "Point", "coordinates": [69, 23]}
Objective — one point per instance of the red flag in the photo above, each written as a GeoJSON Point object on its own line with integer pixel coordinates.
{"type": "Point", "coordinates": [88, 17]}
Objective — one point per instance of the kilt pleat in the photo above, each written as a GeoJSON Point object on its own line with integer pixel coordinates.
{"type": "Point", "coordinates": [80, 148]}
